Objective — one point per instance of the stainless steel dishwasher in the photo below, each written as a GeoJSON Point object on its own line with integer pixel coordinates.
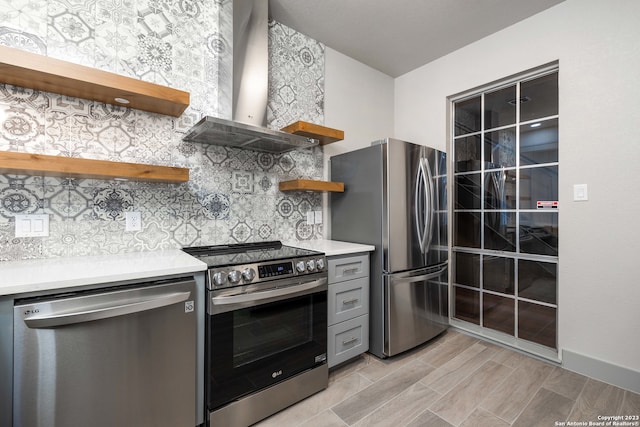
{"type": "Point", "coordinates": [108, 357]}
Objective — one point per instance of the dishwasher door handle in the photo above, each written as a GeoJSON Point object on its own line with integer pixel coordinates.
{"type": "Point", "coordinates": [103, 310]}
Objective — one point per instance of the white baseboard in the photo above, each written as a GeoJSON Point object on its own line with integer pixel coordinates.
{"type": "Point", "coordinates": [619, 376]}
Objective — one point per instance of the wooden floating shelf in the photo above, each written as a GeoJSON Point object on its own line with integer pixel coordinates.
{"type": "Point", "coordinates": [311, 185]}
{"type": "Point", "coordinates": [44, 165]}
{"type": "Point", "coordinates": [322, 133]}
{"type": "Point", "coordinates": [39, 72]}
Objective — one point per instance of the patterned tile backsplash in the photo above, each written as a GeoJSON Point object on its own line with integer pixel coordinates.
{"type": "Point", "coordinates": [232, 195]}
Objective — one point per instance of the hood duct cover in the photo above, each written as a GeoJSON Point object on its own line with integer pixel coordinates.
{"type": "Point", "coordinates": [250, 88]}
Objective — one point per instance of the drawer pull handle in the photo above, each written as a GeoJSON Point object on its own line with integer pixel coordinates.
{"type": "Point", "coordinates": [349, 341]}
{"type": "Point", "coordinates": [347, 271]}
{"type": "Point", "coordinates": [350, 301]}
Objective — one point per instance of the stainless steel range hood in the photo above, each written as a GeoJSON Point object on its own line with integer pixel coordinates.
{"type": "Point", "coordinates": [212, 130]}
{"type": "Point", "coordinates": [250, 89]}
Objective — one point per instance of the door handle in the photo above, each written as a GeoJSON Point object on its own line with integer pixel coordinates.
{"type": "Point", "coordinates": [404, 278]}
{"type": "Point", "coordinates": [424, 204]}
{"type": "Point", "coordinates": [430, 208]}
{"type": "Point", "coordinates": [224, 303]}
{"type": "Point", "coordinates": [418, 202]}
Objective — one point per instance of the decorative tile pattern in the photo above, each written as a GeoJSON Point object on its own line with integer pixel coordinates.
{"type": "Point", "coordinates": [296, 83]}
{"type": "Point", "coordinates": [242, 182]}
{"type": "Point", "coordinates": [23, 18]}
{"type": "Point", "coordinates": [71, 30]}
{"type": "Point", "coordinates": [110, 204]}
{"type": "Point", "coordinates": [19, 199]}
{"type": "Point", "coordinates": [232, 195]}
{"type": "Point", "coordinates": [17, 202]}
{"type": "Point", "coordinates": [285, 207]}
{"type": "Point", "coordinates": [216, 206]}
{"type": "Point", "coordinates": [21, 128]}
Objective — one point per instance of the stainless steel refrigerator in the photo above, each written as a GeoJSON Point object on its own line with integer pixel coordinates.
{"type": "Point", "coordinates": [395, 198]}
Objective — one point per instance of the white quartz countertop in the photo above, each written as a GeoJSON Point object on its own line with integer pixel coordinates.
{"type": "Point", "coordinates": [58, 273]}
{"type": "Point", "coordinates": [331, 247]}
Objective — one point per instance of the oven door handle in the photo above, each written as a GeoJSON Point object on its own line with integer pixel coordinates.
{"type": "Point", "coordinates": [225, 303]}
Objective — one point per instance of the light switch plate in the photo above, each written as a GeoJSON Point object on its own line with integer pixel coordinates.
{"type": "Point", "coordinates": [318, 217]}
{"type": "Point", "coordinates": [32, 225]}
{"type": "Point", "coordinates": [580, 192]}
{"type": "Point", "coordinates": [310, 218]}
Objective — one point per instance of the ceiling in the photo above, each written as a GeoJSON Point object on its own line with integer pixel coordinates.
{"type": "Point", "coordinates": [397, 36]}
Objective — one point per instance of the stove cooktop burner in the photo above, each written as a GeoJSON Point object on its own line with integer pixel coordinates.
{"type": "Point", "coordinates": [246, 253]}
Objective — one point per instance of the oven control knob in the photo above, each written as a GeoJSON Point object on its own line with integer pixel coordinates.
{"type": "Point", "coordinates": [300, 266]}
{"type": "Point", "coordinates": [234, 276]}
{"type": "Point", "coordinates": [219, 278]}
{"type": "Point", "coordinates": [248, 274]}
{"type": "Point", "coordinates": [311, 265]}
{"type": "Point", "coordinates": [320, 264]}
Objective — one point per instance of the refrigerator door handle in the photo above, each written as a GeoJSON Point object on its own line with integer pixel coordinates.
{"type": "Point", "coordinates": [430, 206]}
{"type": "Point", "coordinates": [429, 273]}
{"type": "Point", "coordinates": [420, 199]}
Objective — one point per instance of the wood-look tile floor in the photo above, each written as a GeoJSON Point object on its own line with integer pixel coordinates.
{"type": "Point", "coordinates": [456, 380]}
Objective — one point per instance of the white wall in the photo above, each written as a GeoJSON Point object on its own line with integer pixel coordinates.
{"type": "Point", "coordinates": [597, 44]}
{"type": "Point", "coordinates": [358, 100]}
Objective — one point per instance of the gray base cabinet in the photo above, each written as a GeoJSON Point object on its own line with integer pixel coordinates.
{"type": "Point", "coordinates": [348, 305]}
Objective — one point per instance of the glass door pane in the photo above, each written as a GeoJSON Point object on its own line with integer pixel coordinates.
{"type": "Point", "coordinates": [468, 154]}
{"type": "Point", "coordinates": [468, 191]}
{"type": "Point", "coordinates": [467, 116]}
{"type": "Point", "coordinates": [539, 97]}
{"type": "Point", "coordinates": [467, 305]}
{"type": "Point", "coordinates": [467, 229]}
{"type": "Point", "coordinates": [537, 281]}
{"type": "Point", "coordinates": [500, 148]}
{"type": "Point", "coordinates": [467, 269]}
{"type": "Point", "coordinates": [500, 190]}
{"type": "Point", "coordinates": [539, 142]}
{"type": "Point", "coordinates": [498, 274]}
{"type": "Point", "coordinates": [539, 233]}
{"type": "Point", "coordinates": [500, 107]}
{"type": "Point", "coordinates": [500, 231]}
{"type": "Point", "coordinates": [498, 313]}
{"type": "Point", "coordinates": [537, 323]}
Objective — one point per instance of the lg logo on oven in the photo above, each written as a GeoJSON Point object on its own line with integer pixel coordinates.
{"type": "Point", "coordinates": [276, 374]}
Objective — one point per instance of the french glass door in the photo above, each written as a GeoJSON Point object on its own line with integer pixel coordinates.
{"type": "Point", "coordinates": [505, 212]}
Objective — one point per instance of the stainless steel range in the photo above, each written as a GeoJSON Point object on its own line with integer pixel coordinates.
{"type": "Point", "coordinates": [266, 329]}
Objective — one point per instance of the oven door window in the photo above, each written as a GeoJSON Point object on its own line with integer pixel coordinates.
{"type": "Point", "coordinates": [255, 347]}
{"type": "Point", "coordinates": [263, 331]}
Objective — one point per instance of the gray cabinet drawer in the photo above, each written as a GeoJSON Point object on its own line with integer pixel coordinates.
{"type": "Point", "coordinates": [348, 267]}
{"type": "Point", "coordinates": [347, 300]}
{"type": "Point", "coordinates": [348, 339]}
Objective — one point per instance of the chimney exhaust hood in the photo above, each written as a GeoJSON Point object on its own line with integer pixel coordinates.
{"type": "Point", "coordinates": [250, 90]}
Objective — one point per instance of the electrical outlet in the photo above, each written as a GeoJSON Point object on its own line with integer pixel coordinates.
{"type": "Point", "coordinates": [318, 217]}
{"type": "Point", "coordinates": [133, 221]}
{"type": "Point", "coordinates": [310, 218]}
